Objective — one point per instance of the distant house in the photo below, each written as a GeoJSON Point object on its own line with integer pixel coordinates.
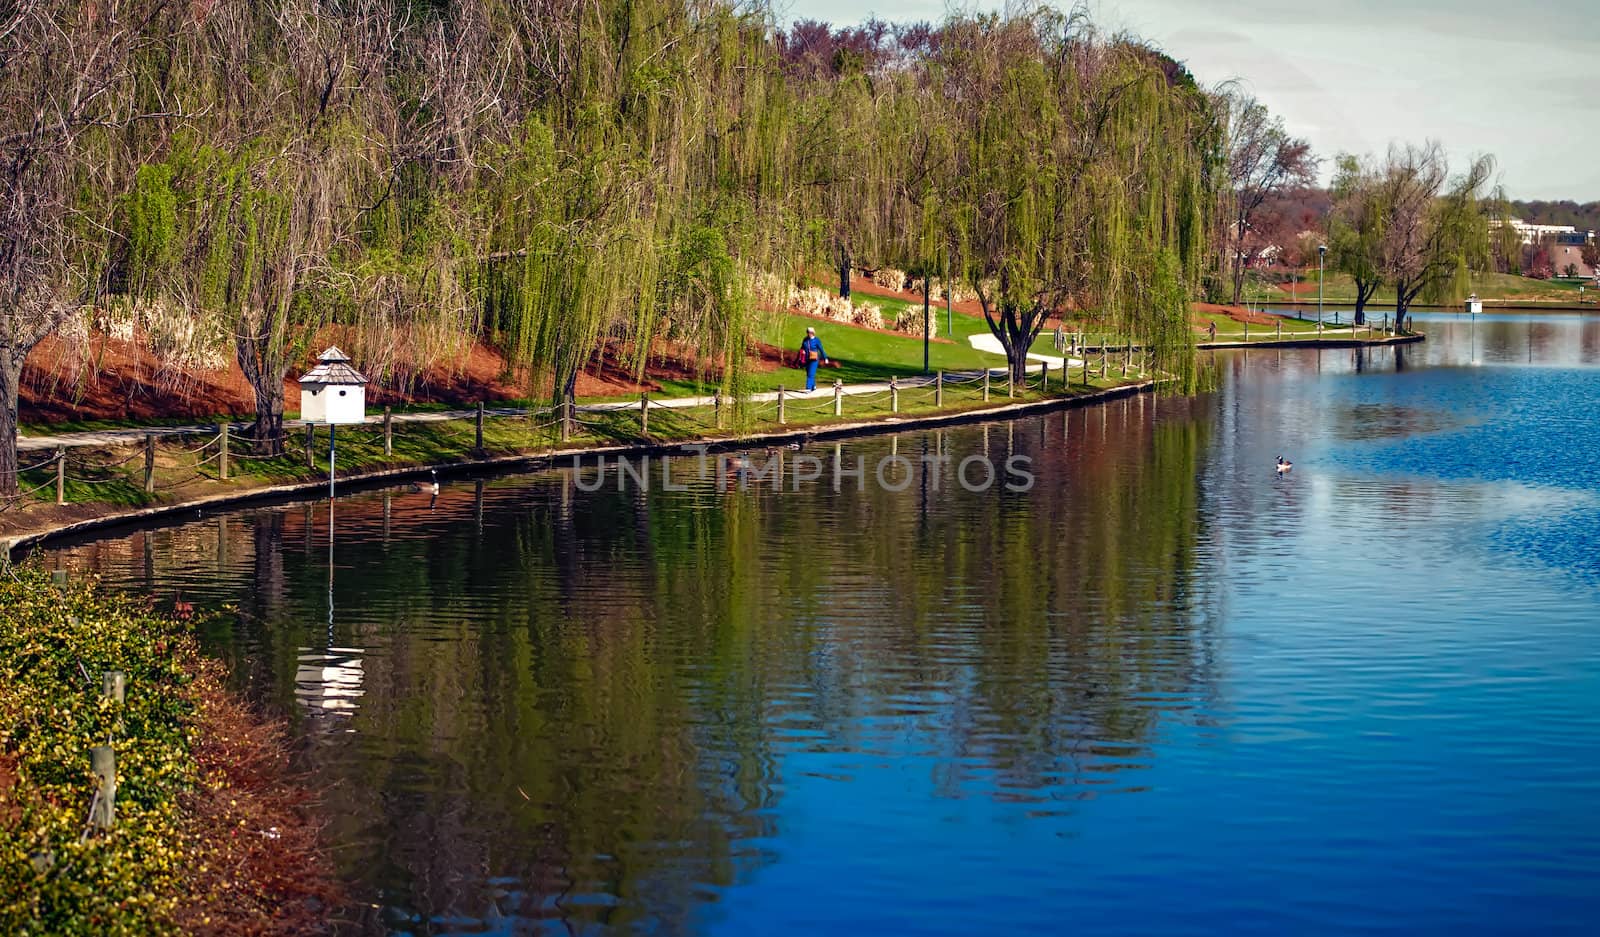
{"type": "Point", "coordinates": [1563, 234]}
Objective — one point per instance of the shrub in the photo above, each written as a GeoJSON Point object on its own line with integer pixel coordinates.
{"type": "Point", "coordinates": [909, 321]}
{"type": "Point", "coordinates": [54, 648]}
{"type": "Point", "coordinates": [889, 278]}
{"type": "Point", "coordinates": [868, 316]}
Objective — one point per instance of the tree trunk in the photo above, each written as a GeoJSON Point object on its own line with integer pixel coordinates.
{"type": "Point", "coordinates": [10, 391]}
{"type": "Point", "coordinates": [1017, 361]}
{"type": "Point", "coordinates": [844, 271]}
{"type": "Point", "coordinates": [1238, 277]}
{"type": "Point", "coordinates": [266, 436]}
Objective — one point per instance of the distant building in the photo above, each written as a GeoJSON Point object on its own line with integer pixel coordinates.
{"type": "Point", "coordinates": [1561, 233]}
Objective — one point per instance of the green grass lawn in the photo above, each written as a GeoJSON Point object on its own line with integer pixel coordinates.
{"type": "Point", "coordinates": [1340, 289]}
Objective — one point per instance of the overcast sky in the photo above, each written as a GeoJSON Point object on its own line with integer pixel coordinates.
{"type": "Point", "coordinates": [1520, 80]}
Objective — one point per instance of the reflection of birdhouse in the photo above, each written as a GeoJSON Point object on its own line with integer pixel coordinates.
{"type": "Point", "coordinates": [329, 681]}
{"type": "Point", "coordinates": [1474, 304]}
{"type": "Point", "coordinates": [333, 391]}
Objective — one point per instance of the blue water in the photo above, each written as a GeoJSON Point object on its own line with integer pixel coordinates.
{"type": "Point", "coordinates": [1164, 692]}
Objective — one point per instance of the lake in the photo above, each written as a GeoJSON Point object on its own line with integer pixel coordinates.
{"type": "Point", "coordinates": [1162, 691]}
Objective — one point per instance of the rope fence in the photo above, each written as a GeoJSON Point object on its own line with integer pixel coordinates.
{"type": "Point", "coordinates": [168, 459]}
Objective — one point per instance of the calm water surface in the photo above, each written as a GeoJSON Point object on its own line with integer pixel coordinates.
{"type": "Point", "coordinates": [1163, 692]}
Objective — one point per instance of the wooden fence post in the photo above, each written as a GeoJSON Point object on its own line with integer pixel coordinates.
{"type": "Point", "coordinates": [985, 383]}
{"type": "Point", "coordinates": [781, 417]}
{"type": "Point", "coordinates": [115, 686]}
{"type": "Point", "coordinates": [566, 418]}
{"type": "Point", "coordinates": [222, 459]}
{"type": "Point", "coordinates": [149, 463]}
{"type": "Point", "coordinates": [716, 408]}
{"type": "Point", "coordinates": [61, 475]}
{"type": "Point", "coordinates": [1280, 330]}
{"type": "Point", "coordinates": [478, 438]}
{"type": "Point", "coordinates": [644, 414]}
{"type": "Point", "coordinates": [104, 762]}
{"type": "Point", "coordinates": [838, 397]}
{"type": "Point", "coordinates": [1044, 377]}
{"type": "Point", "coordinates": [938, 389]}
{"type": "Point", "coordinates": [894, 395]}
{"type": "Point", "coordinates": [388, 432]}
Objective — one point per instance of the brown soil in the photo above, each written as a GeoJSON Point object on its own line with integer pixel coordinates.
{"type": "Point", "coordinates": [260, 868]}
{"type": "Point", "coordinates": [970, 307]}
{"type": "Point", "coordinates": [123, 380]}
{"type": "Point", "coordinates": [10, 810]}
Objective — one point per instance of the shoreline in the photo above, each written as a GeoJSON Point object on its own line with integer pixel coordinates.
{"type": "Point", "coordinates": [1313, 343]}
{"type": "Point", "coordinates": [1489, 305]}
{"type": "Point", "coordinates": [17, 546]}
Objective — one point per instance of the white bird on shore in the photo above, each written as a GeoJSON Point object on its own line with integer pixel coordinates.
{"type": "Point", "coordinates": [1283, 465]}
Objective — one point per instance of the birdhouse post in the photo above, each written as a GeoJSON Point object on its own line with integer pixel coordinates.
{"type": "Point", "coordinates": [333, 392]}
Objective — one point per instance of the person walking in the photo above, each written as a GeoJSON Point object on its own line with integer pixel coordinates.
{"type": "Point", "coordinates": [811, 356]}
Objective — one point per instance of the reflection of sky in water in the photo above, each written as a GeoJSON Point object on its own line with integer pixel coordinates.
{"type": "Point", "coordinates": [1529, 434]}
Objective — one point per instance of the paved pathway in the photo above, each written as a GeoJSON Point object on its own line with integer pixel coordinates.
{"type": "Point", "coordinates": [989, 342]}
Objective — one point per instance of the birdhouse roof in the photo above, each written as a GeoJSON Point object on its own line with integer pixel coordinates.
{"type": "Point", "coordinates": [334, 369]}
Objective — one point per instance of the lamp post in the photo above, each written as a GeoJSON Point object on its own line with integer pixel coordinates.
{"type": "Point", "coordinates": [1322, 251]}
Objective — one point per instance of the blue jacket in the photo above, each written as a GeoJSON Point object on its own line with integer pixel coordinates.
{"type": "Point", "coordinates": [812, 343]}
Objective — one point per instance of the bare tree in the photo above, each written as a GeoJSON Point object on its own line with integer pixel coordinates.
{"type": "Point", "coordinates": [1263, 161]}
{"type": "Point", "coordinates": [1434, 229]}
{"type": "Point", "coordinates": [67, 90]}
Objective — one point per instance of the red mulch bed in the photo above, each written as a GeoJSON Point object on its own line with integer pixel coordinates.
{"type": "Point", "coordinates": [1237, 313]}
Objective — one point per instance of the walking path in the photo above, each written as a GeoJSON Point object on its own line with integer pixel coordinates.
{"type": "Point", "coordinates": [987, 341]}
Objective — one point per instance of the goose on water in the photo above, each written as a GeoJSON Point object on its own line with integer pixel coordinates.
{"type": "Point", "coordinates": [1283, 465]}
{"type": "Point", "coordinates": [431, 487]}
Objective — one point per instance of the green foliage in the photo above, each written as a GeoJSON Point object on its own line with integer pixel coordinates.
{"type": "Point", "coordinates": [151, 220]}
{"type": "Point", "coordinates": [54, 647]}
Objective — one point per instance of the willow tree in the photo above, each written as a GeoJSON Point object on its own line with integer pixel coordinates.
{"type": "Point", "coordinates": [1407, 223]}
{"type": "Point", "coordinates": [642, 193]}
{"type": "Point", "coordinates": [292, 201]}
{"type": "Point", "coordinates": [1355, 229]}
{"type": "Point", "coordinates": [1076, 178]}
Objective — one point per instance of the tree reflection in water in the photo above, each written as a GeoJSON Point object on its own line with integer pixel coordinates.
{"type": "Point", "coordinates": [588, 706]}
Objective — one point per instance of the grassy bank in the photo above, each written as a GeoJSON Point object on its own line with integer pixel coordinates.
{"type": "Point", "coordinates": [1340, 289]}
{"type": "Point", "coordinates": [101, 480]}
{"type": "Point", "coordinates": [206, 839]}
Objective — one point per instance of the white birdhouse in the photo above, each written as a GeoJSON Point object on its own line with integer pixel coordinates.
{"type": "Point", "coordinates": [1474, 304]}
{"type": "Point", "coordinates": [333, 391]}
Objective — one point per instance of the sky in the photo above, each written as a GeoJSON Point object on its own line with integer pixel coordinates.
{"type": "Point", "coordinates": [1518, 80]}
